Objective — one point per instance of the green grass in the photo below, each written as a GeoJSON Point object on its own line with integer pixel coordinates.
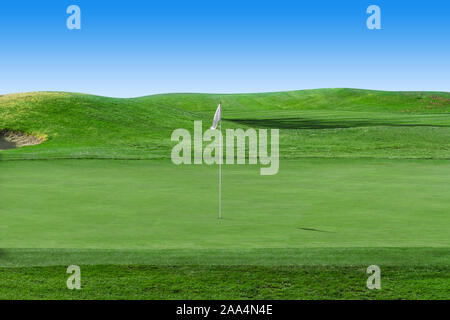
{"type": "Point", "coordinates": [157, 205]}
{"type": "Point", "coordinates": [224, 282]}
{"type": "Point", "coordinates": [333, 218]}
{"type": "Point", "coordinates": [363, 180]}
{"type": "Point", "coordinates": [314, 123]}
{"type": "Point", "coordinates": [337, 256]}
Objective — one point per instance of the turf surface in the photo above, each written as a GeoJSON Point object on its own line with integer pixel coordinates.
{"type": "Point", "coordinates": [363, 180]}
{"type": "Point", "coordinates": [224, 282]}
{"type": "Point", "coordinates": [157, 205]}
{"type": "Point", "coordinates": [314, 123]}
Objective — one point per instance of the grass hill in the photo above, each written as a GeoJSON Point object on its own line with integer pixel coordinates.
{"type": "Point", "coordinates": [317, 123]}
{"type": "Point", "coordinates": [356, 187]}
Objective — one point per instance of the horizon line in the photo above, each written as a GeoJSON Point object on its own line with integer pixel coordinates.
{"type": "Point", "coordinates": [229, 93]}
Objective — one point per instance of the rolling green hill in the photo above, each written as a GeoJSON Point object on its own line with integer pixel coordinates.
{"type": "Point", "coordinates": [313, 123]}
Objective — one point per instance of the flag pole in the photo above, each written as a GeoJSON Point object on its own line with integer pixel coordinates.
{"type": "Point", "coordinates": [220, 164]}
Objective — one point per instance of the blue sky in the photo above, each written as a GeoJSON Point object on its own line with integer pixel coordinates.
{"type": "Point", "coordinates": [134, 48]}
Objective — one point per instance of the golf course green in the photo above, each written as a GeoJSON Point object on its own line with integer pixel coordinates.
{"type": "Point", "coordinates": [363, 180]}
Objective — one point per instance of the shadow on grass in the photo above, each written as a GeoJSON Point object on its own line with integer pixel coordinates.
{"type": "Point", "coordinates": [303, 123]}
{"type": "Point", "coordinates": [3, 255]}
{"type": "Point", "coordinates": [313, 229]}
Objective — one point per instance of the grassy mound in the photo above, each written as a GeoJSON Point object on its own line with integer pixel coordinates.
{"type": "Point", "coordinates": [313, 123]}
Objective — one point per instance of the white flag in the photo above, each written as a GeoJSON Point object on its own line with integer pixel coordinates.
{"type": "Point", "coordinates": [217, 117]}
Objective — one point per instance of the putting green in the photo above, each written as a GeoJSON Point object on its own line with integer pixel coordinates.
{"type": "Point", "coordinates": [115, 204]}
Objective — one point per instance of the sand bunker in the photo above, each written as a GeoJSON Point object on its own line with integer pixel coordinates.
{"type": "Point", "coordinates": [15, 139]}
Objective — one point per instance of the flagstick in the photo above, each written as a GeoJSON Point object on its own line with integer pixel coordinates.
{"type": "Point", "coordinates": [220, 167]}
